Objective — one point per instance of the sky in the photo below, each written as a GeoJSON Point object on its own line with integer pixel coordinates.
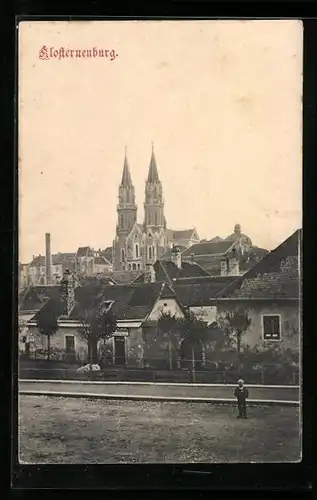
{"type": "Point", "coordinates": [220, 100]}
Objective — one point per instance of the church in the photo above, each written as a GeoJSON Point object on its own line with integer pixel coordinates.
{"type": "Point", "coordinates": [137, 246]}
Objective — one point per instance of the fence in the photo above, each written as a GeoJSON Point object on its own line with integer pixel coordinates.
{"type": "Point", "coordinates": [61, 371]}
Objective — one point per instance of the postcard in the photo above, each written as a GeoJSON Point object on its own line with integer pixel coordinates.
{"type": "Point", "coordinates": [160, 237]}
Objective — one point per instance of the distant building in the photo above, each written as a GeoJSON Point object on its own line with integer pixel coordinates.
{"type": "Point", "coordinates": [60, 262]}
{"type": "Point", "coordinates": [23, 270]}
{"type": "Point", "coordinates": [231, 256]}
{"type": "Point", "coordinates": [136, 245]}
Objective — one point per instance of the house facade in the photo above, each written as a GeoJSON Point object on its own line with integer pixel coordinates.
{"type": "Point", "coordinates": [136, 308]}
{"type": "Point", "coordinates": [270, 293]}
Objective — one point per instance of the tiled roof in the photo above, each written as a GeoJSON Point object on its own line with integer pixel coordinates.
{"type": "Point", "coordinates": [83, 251]}
{"type": "Point", "coordinates": [107, 253]}
{"type": "Point", "coordinates": [275, 276]}
{"type": "Point", "coordinates": [183, 234]}
{"type": "Point", "coordinates": [216, 239]}
{"type": "Point", "coordinates": [34, 297]}
{"type": "Point", "coordinates": [200, 291]}
{"type": "Point", "coordinates": [129, 301]}
{"type": "Point", "coordinates": [208, 248]}
{"type": "Point", "coordinates": [101, 261]}
{"type": "Point", "coordinates": [96, 279]}
{"type": "Point", "coordinates": [57, 259]}
{"type": "Point", "coordinates": [167, 271]}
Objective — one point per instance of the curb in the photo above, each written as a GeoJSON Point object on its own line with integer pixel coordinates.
{"type": "Point", "coordinates": [171, 384]}
{"type": "Point", "coordinates": [155, 398]}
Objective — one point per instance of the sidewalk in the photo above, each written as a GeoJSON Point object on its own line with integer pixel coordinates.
{"type": "Point", "coordinates": [158, 391]}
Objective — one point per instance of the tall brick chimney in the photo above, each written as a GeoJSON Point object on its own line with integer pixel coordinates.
{"type": "Point", "coordinates": [48, 259]}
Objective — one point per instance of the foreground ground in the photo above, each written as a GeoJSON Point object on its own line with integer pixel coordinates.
{"type": "Point", "coordinates": [62, 430]}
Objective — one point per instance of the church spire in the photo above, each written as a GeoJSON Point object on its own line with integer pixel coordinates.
{"type": "Point", "coordinates": [126, 180]}
{"type": "Point", "coordinates": [153, 173]}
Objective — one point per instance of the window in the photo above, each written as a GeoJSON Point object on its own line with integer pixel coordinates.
{"type": "Point", "coordinates": [122, 255]}
{"type": "Point", "coordinates": [136, 251]}
{"type": "Point", "coordinates": [150, 253]}
{"type": "Point", "coordinates": [272, 327]}
{"type": "Point", "coordinates": [155, 218]}
{"type": "Point", "coordinates": [139, 266]}
{"type": "Point", "coordinates": [121, 220]}
{"type": "Point", "coordinates": [129, 267]}
{"type": "Point", "coordinates": [70, 343]}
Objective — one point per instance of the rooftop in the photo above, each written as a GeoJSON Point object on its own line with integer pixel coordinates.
{"type": "Point", "coordinates": [275, 276]}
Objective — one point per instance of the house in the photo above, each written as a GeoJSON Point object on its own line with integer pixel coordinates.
{"type": "Point", "coordinates": [233, 255]}
{"type": "Point", "coordinates": [60, 262]}
{"type": "Point", "coordinates": [168, 270]}
{"type": "Point", "coordinates": [90, 262]}
{"type": "Point", "coordinates": [136, 307]}
{"type": "Point", "coordinates": [30, 301]}
{"type": "Point", "coordinates": [270, 293]}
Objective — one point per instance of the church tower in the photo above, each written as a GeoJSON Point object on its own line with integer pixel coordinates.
{"type": "Point", "coordinates": [154, 203]}
{"type": "Point", "coordinates": [127, 214]}
{"type": "Point", "coordinates": [154, 219]}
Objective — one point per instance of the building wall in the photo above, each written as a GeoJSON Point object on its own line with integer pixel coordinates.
{"type": "Point", "coordinates": [166, 305]}
{"type": "Point", "coordinates": [58, 341]}
{"type": "Point", "coordinates": [207, 313]}
{"type": "Point", "coordinates": [290, 322]}
{"type": "Point", "coordinates": [135, 347]}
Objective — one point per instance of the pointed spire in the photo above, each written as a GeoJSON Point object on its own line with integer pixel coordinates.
{"type": "Point", "coordinates": [153, 173]}
{"type": "Point", "coordinates": [126, 176]}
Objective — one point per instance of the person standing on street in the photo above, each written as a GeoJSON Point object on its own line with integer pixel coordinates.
{"type": "Point", "coordinates": [241, 393]}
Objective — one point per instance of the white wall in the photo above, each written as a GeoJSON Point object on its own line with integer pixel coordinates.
{"type": "Point", "coordinates": [207, 313]}
{"type": "Point", "coordinates": [166, 305]}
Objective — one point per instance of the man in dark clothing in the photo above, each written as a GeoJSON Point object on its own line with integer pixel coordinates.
{"type": "Point", "coordinates": [241, 393]}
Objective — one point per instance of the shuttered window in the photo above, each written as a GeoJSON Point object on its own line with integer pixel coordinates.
{"type": "Point", "coordinates": [272, 327]}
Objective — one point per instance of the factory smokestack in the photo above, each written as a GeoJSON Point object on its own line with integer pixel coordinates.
{"type": "Point", "coordinates": [48, 259]}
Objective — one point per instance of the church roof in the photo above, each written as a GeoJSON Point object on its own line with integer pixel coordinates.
{"type": "Point", "coordinates": [153, 173]}
{"type": "Point", "coordinates": [126, 180]}
{"type": "Point", "coordinates": [183, 234]}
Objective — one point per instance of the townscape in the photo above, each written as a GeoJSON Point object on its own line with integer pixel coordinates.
{"type": "Point", "coordinates": [174, 315]}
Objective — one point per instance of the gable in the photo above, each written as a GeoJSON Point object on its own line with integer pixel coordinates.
{"type": "Point", "coordinates": [168, 305]}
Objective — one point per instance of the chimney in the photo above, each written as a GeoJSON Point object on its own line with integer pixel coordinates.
{"type": "Point", "coordinates": [149, 275]}
{"type": "Point", "coordinates": [224, 267]}
{"type": "Point", "coordinates": [233, 264]}
{"type": "Point", "coordinates": [67, 292]}
{"type": "Point", "coordinates": [48, 259]}
{"type": "Point", "coordinates": [177, 256]}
